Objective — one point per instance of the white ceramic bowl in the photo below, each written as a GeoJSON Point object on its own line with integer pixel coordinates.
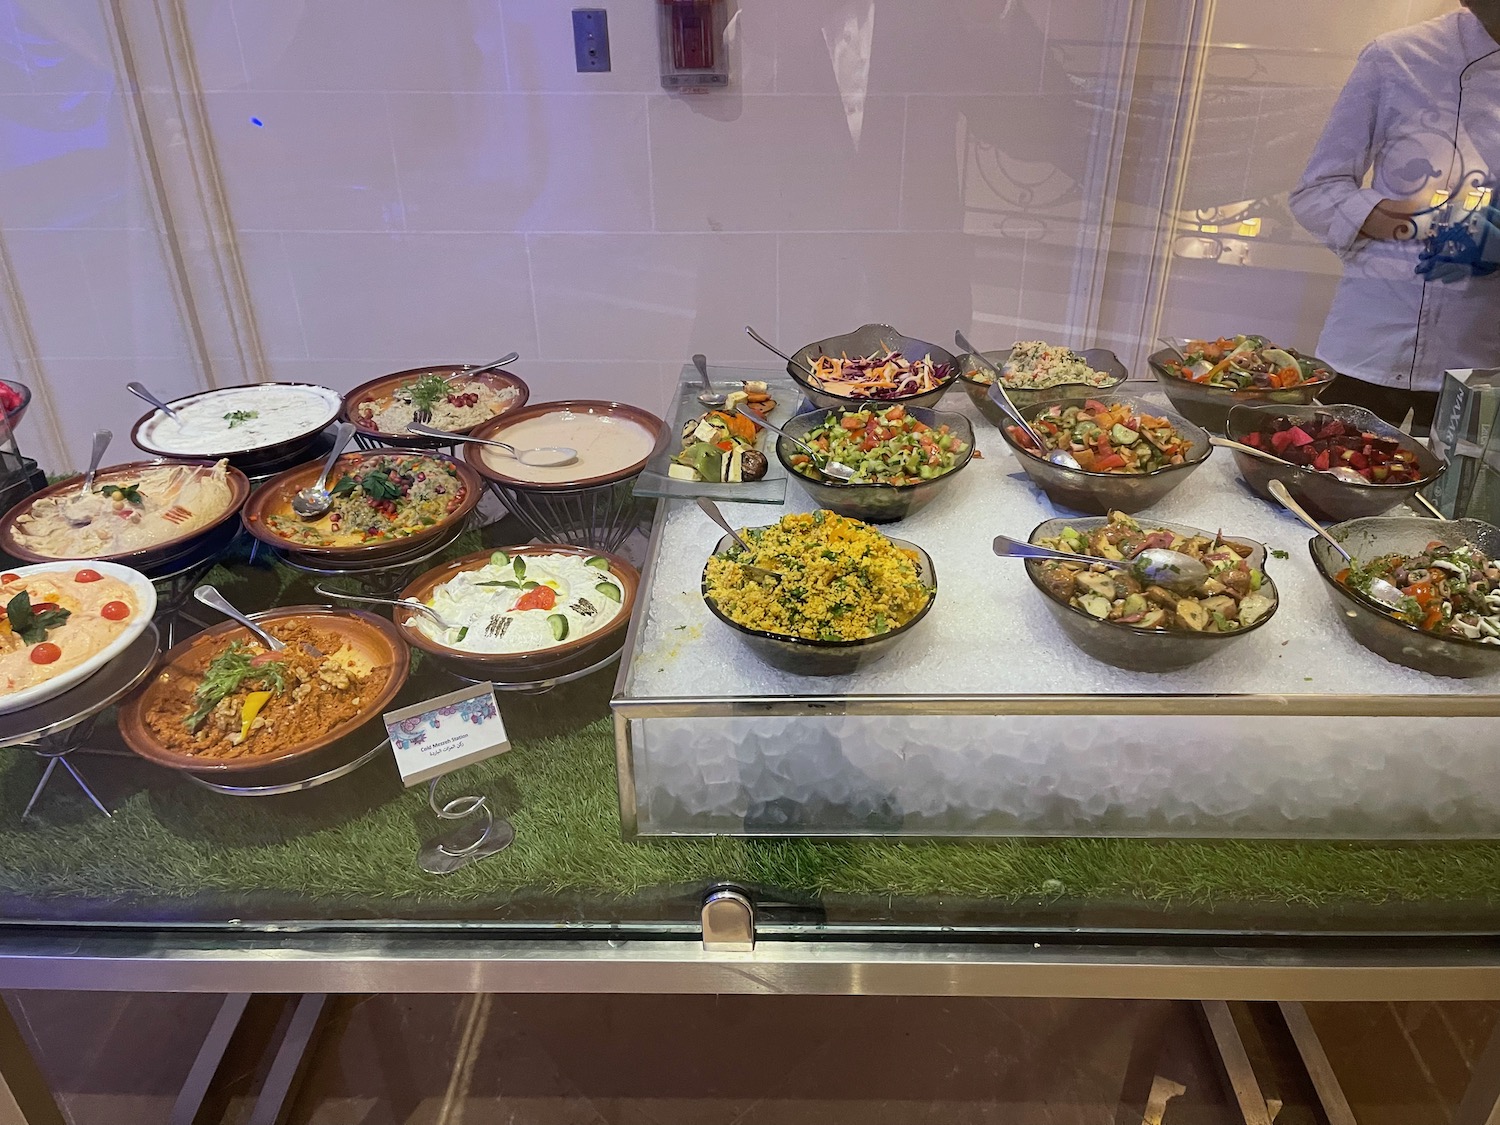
{"type": "Point", "coordinates": [145, 595]}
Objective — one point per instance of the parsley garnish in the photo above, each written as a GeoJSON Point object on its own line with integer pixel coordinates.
{"type": "Point", "coordinates": [237, 417]}
{"type": "Point", "coordinates": [1278, 553]}
{"type": "Point", "coordinates": [427, 391]}
{"type": "Point", "coordinates": [376, 485]}
{"type": "Point", "coordinates": [29, 625]}
{"type": "Point", "coordinates": [224, 675]}
{"type": "Point", "coordinates": [130, 493]}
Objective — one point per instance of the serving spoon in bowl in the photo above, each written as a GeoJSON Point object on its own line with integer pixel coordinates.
{"type": "Point", "coordinates": [835, 470]}
{"type": "Point", "coordinates": [707, 396]}
{"type": "Point", "coordinates": [102, 438]}
{"type": "Point", "coordinates": [313, 502]}
{"type": "Point", "coordinates": [467, 372]}
{"type": "Point", "coordinates": [542, 457]}
{"type": "Point", "coordinates": [1156, 566]}
{"type": "Point", "coordinates": [1381, 591]}
{"type": "Point", "coordinates": [1338, 472]}
{"type": "Point", "coordinates": [1060, 457]}
{"type": "Point", "coordinates": [713, 512]}
{"type": "Point", "coordinates": [144, 395]}
{"type": "Point", "coordinates": [210, 596]}
{"type": "Point", "coordinates": [405, 603]}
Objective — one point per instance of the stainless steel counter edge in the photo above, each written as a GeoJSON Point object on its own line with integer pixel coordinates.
{"type": "Point", "coordinates": [349, 963]}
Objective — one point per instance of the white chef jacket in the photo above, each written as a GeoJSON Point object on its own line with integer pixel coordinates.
{"type": "Point", "coordinates": [1398, 119]}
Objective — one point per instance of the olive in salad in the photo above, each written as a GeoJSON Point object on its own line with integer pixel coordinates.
{"type": "Point", "coordinates": [1324, 443]}
{"type": "Point", "coordinates": [890, 446]}
{"type": "Point", "coordinates": [1449, 591]}
{"type": "Point", "coordinates": [1233, 597]}
{"type": "Point", "coordinates": [1245, 363]}
{"type": "Point", "coordinates": [1111, 438]}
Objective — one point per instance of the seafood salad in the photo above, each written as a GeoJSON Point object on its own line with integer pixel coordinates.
{"type": "Point", "coordinates": [1450, 591]}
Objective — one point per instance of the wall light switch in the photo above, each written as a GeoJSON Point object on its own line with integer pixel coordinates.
{"type": "Point", "coordinates": [591, 39]}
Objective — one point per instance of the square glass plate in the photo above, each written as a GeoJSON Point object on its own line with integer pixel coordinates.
{"type": "Point", "coordinates": [770, 489]}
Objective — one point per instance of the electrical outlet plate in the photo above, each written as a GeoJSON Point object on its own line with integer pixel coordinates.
{"type": "Point", "coordinates": [591, 39]}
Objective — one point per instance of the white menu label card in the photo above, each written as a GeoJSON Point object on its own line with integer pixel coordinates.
{"type": "Point", "coordinates": [447, 733]}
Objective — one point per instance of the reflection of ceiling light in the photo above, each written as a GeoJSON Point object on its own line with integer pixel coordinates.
{"type": "Point", "coordinates": [1473, 201]}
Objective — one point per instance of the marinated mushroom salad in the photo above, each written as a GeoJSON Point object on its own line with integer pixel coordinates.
{"type": "Point", "coordinates": [1035, 365]}
{"type": "Point", "coordinates": [1450, 591]}
{"type": "Point", "coordinates": [1245, 363]}
{"type": "Point", "coordinates": [1107, 438]}
{"type": "Point", "coordinates": [887, 446]}
{"type": "Point", "coordinates": [1234, 596]}
{"type": "Point", "coordinates": [523, 603]}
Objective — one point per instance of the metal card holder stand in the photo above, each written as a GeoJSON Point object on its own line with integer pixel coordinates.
{"type": "Point", "coordinates": [60, 726]}
{"type": "Point", "coordinates": [458, 847]}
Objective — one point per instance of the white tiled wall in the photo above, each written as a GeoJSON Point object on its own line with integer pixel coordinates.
{"type": "Point", "coordinates": [425, 181]}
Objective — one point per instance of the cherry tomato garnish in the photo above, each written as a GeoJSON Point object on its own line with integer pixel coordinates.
{"type": "Point", "coordinates": [543, 597]}
{"type": "Point", "coordinates": [114, 611]}
{"type": "Point", "coordinates": [87, 576]}
{"type": "Point", "coordinates": [45, 653]}
{"type": "Point", "coordinates": [9, 577]}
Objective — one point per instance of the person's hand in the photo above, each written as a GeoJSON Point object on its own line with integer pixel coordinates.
{"type": "Point", "coordinates": [1392, 219]}
{"type": "Point", "coordinates": [1467, 247]}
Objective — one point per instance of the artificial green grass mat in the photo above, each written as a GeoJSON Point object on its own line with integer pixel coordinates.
{"type": "Point", "coordinates": [347, 851]}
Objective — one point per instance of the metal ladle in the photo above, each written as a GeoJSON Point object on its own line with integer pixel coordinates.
{"type": "Point", "coordinates": [542, 457]}
{"type": "Point", "coordinates": [1057, 456]}
{"type": "Point", "coordinates": [1379, 590]}
{"type": "Point", "coordinates": [836, 470]}
{"type": "Point", "coordinates": [102, 438]}
{"type": "Point", "coordinates": [1156, 566]}
{"type": "Point", "coordinates": [712, 511]}
{"type": "Point", "coordinates": [1339, 472]}
{"type": "Point", "coordinates": [142, 393]}
{"type": "Point", "coordinates": [707, 396]}
{"type": "Point", "coordinates": [405, 603]}
{"type": "Point", "coordinates": [314, 501]}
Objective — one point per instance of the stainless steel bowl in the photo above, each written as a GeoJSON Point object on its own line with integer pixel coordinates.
{"type": "Point", "coordinates": [1372, 625]}
{"type": "Point", "coordinates": [1323, 494]}
{"type": "Point", "coordinates": [866, 340]}
{"type": "Point", "coordinates": [1101, 493]}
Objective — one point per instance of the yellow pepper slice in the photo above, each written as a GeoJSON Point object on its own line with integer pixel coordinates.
{"type": "Point", "coordinates": [251, 708]}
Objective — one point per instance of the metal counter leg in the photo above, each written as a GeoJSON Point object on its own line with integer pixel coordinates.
{"type": "Point", "coordinates": [1319, 1069]}
{"type": "Point", "coordinates": [1236, 1062]}
{"type": "Point", "coordinates": [1481, 1102]}
{"type": "Point", "coordinates": [24, 1097]}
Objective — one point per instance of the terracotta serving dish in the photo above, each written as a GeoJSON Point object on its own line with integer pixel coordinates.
{"type": "Point", "coordinates": [251, 460]}
{"type": "Point", "coordinates": [523, 667]}
{"type": "Point", "coordinates": [275, 498]}
{"type": "Point", "coordinates": [495, 429]}
{"type": "Point", "coordinates": [147, 557]}
{"type": "Point", "coordinates": [372, 637]}
{"type": "Point", "coordinates": [386, 385]}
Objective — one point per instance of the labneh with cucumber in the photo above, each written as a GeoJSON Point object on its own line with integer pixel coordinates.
{"type": "Point", "coordinates": [524, 603]}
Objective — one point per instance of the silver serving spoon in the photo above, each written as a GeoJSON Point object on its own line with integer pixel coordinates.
{"type": "Point", "coordinates": [314, 501]}
{"type": "Point", "coordinates": [707, 396]}
{"type": "Point", "coordinates": [1057, 456]}
{"type": "Point", "coordinates": [141, 392]}
{"type": "Point", "coordinates": [405, 603]}
{"type": "Point", "coordinates": [763, 342]}
{"type": "Point", "coordinates": [711, 510]}
{"type": "Point", "coordinates": [102, 438]}
{"type": "Point", "coordinates": [210, 596]}
{"type": "Point", "coordinates": [467, 372]}
{"type": "Point", "coordinates": [542, 457]}
{"type": "Point", "coordinates": [1156, 566]}
{"type": "Point", "coordinates": [1430, 506]}
{"type": "Point", "coordinates": [1340, 472]}
{"type": "Point", "coordinates": [1380, 590]}
{"type": "Point", "coordinates": [836, 470]}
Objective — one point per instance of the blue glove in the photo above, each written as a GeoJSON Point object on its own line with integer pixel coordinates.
{"type": "Point", "coordinates": [1467, 247]}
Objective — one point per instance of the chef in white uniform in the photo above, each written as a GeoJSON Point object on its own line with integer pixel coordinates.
{"type": "Point", "coordinates": [1420, 115]}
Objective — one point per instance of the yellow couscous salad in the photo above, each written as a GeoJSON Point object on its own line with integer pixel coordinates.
{"type": "Point", "coordinates": [841, 580]}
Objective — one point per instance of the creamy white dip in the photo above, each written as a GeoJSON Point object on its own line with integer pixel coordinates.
{"type": "Point", "coordinates": [237, 419]}
{"type": "Point", "coordinates": [477, 601]}
{"type": "Point", "coordinates": [605, 445]}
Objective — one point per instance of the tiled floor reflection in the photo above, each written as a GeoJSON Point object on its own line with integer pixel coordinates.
{"type": "Point", "coordinates": [646, 1060]}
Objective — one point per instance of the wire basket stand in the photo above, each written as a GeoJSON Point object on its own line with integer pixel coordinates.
{"type": "Point", "coordinates": [601, 517]}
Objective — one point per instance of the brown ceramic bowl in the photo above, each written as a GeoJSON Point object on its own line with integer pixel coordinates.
{"type": "Point", "coordinates": [386, 385]}
{"type": "Point", "coordinates": [582, 477]}
{"type": "Point", "coordinates": [374, 638]}
{"type": "Point", "coordinates": [538, 664]}
{"type": "Point", "coordinates": [260, 457]}
{"type": "Point", "coordinates": [148, 557]}
{"type": "Point", "coordinates": [275, 498]}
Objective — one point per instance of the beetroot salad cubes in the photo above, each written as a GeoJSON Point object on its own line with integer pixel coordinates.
{"type": "Point", "coordinates": [1325, 443]}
